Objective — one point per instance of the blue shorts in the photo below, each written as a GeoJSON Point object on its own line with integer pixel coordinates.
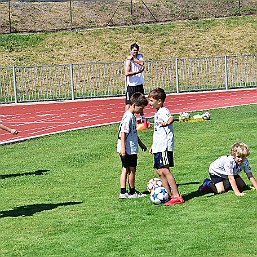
{"type": "Point", "coordinates": [163, 159]}
{"type": "Point", "coordinates": [129, 160]}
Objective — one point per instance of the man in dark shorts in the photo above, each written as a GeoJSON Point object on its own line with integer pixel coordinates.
{"type": "Point", "coordinates": [134, 74]}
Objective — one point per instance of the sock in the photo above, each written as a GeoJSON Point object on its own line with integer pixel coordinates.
{"type": "Point", "coordinates": [132, 190]}
{"type": "Point", "coordinates": [123, 190]}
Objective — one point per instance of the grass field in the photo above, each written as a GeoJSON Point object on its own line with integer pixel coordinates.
{"type": "Point", "coordinates": [59, 195]}
{"type": "Point", "coordinates": [198, 38]}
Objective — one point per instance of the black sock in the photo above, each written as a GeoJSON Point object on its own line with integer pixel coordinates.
{"type": "Point", "coordinates": [123, 190]}
{"type": "Point", "coordinates": [132, 190]}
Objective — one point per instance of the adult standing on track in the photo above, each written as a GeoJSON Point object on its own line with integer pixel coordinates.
{"type": "Point", "coordinates": [134, 74]}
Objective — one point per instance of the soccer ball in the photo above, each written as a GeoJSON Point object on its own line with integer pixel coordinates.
{"type": "Point", "coordinates": [152, 183]}
{"type": "Point", "coordinates": [184, 116]}
{"type": "Point", "coordinates": [159, 195]}
{"type": "Point", "coordinates": [206, 116]}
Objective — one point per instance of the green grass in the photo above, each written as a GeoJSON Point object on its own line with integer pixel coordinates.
{"type": "Point", "coordinates": [72, 208]}
{"type": "Point", "coordinates": [157, 41]}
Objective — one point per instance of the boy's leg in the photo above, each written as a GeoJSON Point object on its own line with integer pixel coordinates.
{"type": "Point", "coordinates": [168, 181]}
{"type": "Point", "coordinates": [217, 184]}
{"type": "Point", "coordinates": [218, 187]}
{"type": "Point", "coordinates": [240, 183]}
{"type": "Point", "coordinates": [131, 179]}
{"type": "Point", "coordinates": [123, 179]}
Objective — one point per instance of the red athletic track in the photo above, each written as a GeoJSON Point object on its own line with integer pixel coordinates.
{"type": "Point", "coordinates": [36, 120]}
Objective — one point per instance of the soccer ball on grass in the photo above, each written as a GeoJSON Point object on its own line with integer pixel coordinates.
{"type": "Point", "coordinates": [159, 195]}
{"type": "Point", "coordinates": [152, 183]}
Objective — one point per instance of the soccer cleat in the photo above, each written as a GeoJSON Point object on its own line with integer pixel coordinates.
{"type": "Point", "coordinates": [205, 185]}
{"type": "Point", "coordinates": [124, 196]}
{"type": "Point", "coordinates": [175, 200]}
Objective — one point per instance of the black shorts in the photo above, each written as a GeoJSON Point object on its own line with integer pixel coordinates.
{"type": "Point", "coordinates": [217, 179]}
{"type": "Point", "coordinates": [131, 90]}
{"type": "Point", "coordinates": [163, 159]}
{"type": "Point", "coordinates": [129, 160]}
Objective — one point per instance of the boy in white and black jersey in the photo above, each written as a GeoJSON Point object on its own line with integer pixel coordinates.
{"type": "Point", "coordinates": [163, 144]}
{"type": "Point", "coordinates": [127, 146]}
{"type": "Point", "coordinates": [224, 172]}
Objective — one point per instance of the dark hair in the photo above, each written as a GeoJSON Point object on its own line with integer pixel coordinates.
{"type": "Point", "coordinates": [134, 45]}
{"type": "Point", "coordinates": [138, 99]}
{"type": "Point", "coordinates": [158, 94]}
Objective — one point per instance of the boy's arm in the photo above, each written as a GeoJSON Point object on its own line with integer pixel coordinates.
{"type": "Point", "coordinates": [123, 143]}
{"type": "Point", "coordinates": [252, 179]}
{"type": "Point", "coordinates": [12, 131]}
{"type": "Point", "coordinates": [168, 122]}
{"type": "Point", "coordinates": [233, 184]}
{"type": "Point", "coordinates": [143, 147]}
{"type": "Point", "coordinates": [151, 150]}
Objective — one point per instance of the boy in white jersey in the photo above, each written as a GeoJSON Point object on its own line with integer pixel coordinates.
{"type": "Point", "coordinates": [224, 172]}
{"type": "Point", "coordinates": [127, 146]}
{"type": "Point", "coordinates": [163, 144]}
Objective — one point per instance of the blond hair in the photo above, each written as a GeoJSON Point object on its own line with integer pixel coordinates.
{"type": "Point", "coordinates": [240, 149]}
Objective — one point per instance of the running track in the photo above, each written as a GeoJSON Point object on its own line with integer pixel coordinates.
{"type": "Point", "coordinates": [39, 119]}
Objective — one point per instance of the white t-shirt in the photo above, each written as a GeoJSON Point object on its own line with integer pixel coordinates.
{"type": "Point", "coordinates": [128, 126]}
{"type": "Point", "coordinates": [137, 79]}
{"type": "Point", "coordinates": [226, 165]}
{"type": "Point", "coordinates": [163, 137]}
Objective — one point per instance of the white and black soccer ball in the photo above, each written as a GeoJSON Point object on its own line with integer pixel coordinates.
{"type": "Point", "coordinates": [159, 195]}
{"type": "Point", "coordinates": [152, 183]}
{"type": "Point", "coordinates": [184, 116]}
{"type": "Point", "coordinates": [206, 116]}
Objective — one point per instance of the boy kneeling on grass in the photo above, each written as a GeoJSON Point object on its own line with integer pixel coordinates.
{"type": "Point", "coordinates": [224, 172]}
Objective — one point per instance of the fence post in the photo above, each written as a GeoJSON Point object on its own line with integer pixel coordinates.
{"type": "Point", "coordinates": [14, 85]}
{"type": "Point", "coordinates": [72, 82]}
{"type": "Point", "coordinates": [71, 16]}
{"type": "Point", "coordinates": [177, 78]}
{"type": "Point", "coordinates": [226, 72]}
{"type": "Point", "coordinates": [9, 16]}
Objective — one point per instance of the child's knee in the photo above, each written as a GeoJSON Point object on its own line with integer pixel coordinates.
{"type": "Point", "coordinates": [220, 191]}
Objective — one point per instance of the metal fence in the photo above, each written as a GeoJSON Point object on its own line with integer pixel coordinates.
{"type": "Point", "coordinates": [93, 79]}
{"type": "Point", "coordinates": [54, 15]}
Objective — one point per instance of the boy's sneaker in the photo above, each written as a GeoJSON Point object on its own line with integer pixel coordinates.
{"type": "Point", "coordinates": [124, 196]}
{"type": "Point", "coordinates": [175, 200]}
{"type": "Point", "coordinates": [137, 194]}
{"type": "Point", "coordinates": [205, 185]}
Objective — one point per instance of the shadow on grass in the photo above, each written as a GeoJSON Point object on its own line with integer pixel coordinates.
{"type": "Point", "coordinates": [189, 183]}
{"type": "Point", "coordinates": [29, 210]}
{"type": "Point", "coordinates": [37, 172]}
{"type": "Point", "coordinates": [193, 194]}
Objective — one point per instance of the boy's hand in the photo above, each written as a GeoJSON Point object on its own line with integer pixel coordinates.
{"type": "Point", "coordinates": [14, 131]}
{"type": "Point", "coordinates": [239, 194]}
{"type": "Point", "coordinates": [163, 124]}
{"type": "Point", "coordinates": [122, 152]}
